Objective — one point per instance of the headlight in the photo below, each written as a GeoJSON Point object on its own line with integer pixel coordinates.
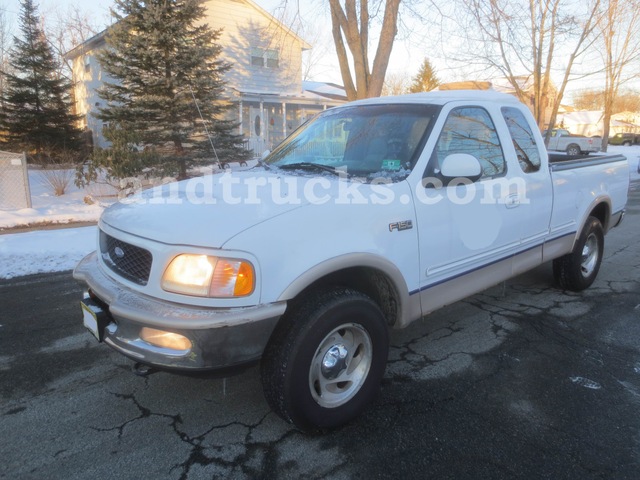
{"type": "Point", "coordinates": [206, 276]}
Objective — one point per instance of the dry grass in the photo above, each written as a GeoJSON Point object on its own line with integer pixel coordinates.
{"type": "Point", "coordinates": [58, 179]}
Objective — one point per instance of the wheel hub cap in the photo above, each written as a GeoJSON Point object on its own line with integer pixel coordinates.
{"type": "Point", "coordinates": [334, 361]}
{"type": "Point", "coordinates": [340, 365]}
{"type": "Point", "coordinates": [589, 256]}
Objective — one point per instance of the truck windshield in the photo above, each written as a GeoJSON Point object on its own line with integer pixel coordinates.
{"type": "Point", "coordinates": [362, 140]}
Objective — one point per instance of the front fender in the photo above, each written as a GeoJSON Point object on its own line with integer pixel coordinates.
{"type": "Point", "coordinates": [408, 308]}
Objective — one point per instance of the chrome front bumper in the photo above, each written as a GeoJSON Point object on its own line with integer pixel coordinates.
{"type": "Point", "coordinates": [220, 337]}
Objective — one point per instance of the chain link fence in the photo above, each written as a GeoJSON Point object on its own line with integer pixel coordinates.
{"type": "Point", "coordinates": [14, 181]}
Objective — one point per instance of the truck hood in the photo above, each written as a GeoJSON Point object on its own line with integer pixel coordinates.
{"type": "Point", "coordinates": [205, 211]}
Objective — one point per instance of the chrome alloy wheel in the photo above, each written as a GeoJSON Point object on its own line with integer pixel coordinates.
{"type": "Point", "coordinates": [340, 365]}
{"type": "Point", "coordinates": [589, 255]}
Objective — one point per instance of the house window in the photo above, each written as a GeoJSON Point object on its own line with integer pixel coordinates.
{"type": "Point", "coordinates": [257, 57]}
{"type": "Point", "coordinates": [87, 63]}
{"type": "Point", "coordinates": [271, 57]}
{"type": "Point", "coordinates": [264, 58]}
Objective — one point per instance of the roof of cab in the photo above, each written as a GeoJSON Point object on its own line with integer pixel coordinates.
{"type": "Point", "coordinates": [438, 97]}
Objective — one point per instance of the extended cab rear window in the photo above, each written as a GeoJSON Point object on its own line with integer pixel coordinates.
{"type": "Point", "coordinates": [523, 140]}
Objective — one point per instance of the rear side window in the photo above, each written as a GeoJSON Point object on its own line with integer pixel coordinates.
{"type": "Point", "coordinates": [523, 140]}
{"type": "Point", "coordinates": [470, 130]}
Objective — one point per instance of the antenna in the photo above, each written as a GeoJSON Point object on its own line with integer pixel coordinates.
{"type": "Point", "coordinates": [206, 130]}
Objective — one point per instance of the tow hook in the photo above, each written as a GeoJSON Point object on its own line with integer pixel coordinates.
{"type": "Point", "coordinates": [143, 370]}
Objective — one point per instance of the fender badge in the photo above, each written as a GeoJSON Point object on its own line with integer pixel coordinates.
{"type": "Point", "coordinates": [403, 225]}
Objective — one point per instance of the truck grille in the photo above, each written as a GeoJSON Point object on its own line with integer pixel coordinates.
{"type": "Point", "coordinates": [129, 261]}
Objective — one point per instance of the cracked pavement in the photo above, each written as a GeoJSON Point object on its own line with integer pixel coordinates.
{"type": "Point", "coordinates": [521, 381]}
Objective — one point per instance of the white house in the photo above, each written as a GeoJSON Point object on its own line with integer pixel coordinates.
{"type": "Point", "coordinates": [265, 82]}
{"type": "Point", "coordinates": [589, 122]}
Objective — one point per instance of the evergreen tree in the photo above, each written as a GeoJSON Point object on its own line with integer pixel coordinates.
{"type": "Point", "coordinates": [167, 74]}
{"type": "Point", "coordinates": [425, 80]}
{"type": "Point", "coordinates": [37, 106]}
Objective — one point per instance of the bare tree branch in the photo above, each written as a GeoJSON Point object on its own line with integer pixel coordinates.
{"type": "Point", "coordinates": [522, 42]}
{"type": "Point", "coordinates": [67, 29]}
{"type": "Point", "coordinates": [620, 50]}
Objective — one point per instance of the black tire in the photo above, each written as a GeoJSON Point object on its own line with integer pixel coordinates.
{"type": "Point", "coordinates": [573, 149]}
{"type": "Point", "coordinates": [577, 270]}
{"type": "Point", "coordinates": [337, 326]}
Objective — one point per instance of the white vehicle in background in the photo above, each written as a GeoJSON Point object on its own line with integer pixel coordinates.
{"type": "Point", "coordinates": [370, 216]}
{"type": "Point", "coordinates": [563, 141]}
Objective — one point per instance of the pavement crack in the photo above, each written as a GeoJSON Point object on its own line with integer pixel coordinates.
{"type": "Point", "coordinates": [212, 454]}
{"type": "Point", "coordinates": [144, 413]}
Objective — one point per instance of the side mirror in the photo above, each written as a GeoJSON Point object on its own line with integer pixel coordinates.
{"type": "Point", "coordinates": [265, 154]}
{"type": "Point", "coordinates": [461, 165]}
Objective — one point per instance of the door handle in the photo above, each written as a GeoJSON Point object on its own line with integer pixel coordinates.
{"type": "Point", "coordinates": [512, 201]}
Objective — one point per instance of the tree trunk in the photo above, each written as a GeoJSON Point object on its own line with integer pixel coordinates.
{"type": "Point", "coordinates": [182, 162]}
{"type": "Point", "coordinates": [606, 121]}
{"type": "Point", "coordinates": [353, 28]}
{"type": "Point", "coordinates": [385, 45]}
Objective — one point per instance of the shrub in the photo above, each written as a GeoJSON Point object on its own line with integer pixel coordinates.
{"type": "Point", "coordinates": [57, 172]}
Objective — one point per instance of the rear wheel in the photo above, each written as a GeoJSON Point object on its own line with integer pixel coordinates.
{"type": "Point", "coordinates": [325, 360]}
{"type": "Point", "coordinates": [577, 270]}
{"type": "Point", "coordinates": [573, 149]}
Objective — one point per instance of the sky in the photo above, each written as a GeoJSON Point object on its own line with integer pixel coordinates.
{"type": "Point", "coordinates": [99, 12]}
{"type": "Point", "coordinates": [415, 41]}
{"type": "Point", "coordinates": [98, 8]}
{"type": "Point", "coordinates": [326, 70]}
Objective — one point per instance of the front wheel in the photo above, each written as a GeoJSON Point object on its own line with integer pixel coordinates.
{"type": "Point", "coordinates": [325, 360]}
{"type": "Point", "coordinates": [577, 270]}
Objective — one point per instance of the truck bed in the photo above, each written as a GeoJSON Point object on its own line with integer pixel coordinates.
{"type": "Point", "coordinates": [559, 161]}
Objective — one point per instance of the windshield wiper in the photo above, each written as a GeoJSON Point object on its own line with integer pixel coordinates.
{"type": "Point", "coordinates": [311, 166]}
{"type": "Point", "coordinates": [263, 164]}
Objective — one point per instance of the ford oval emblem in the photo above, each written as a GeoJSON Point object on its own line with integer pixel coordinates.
{"type": "Point", "coordinates": [119, 252]}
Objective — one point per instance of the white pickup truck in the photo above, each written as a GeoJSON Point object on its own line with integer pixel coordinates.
{"type": "Point", "coordinates": [368, 217]}
{"type": "Point", "coordinates": [561, 140]}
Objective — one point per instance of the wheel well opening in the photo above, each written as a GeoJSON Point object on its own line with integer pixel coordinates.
{"type": "Point", "coordinates": [370, 281]}
{"type": "Point", "coordinates": [601, 212]}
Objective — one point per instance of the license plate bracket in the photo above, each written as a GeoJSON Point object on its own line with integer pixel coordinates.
{"type": "Point", "coordinates": [94, 318]}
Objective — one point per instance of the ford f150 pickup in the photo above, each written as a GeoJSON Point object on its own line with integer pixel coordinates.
{"type": "Point", "coordinates": [563, 141]}
{"type": "Point", "coordinates": [366, 218]}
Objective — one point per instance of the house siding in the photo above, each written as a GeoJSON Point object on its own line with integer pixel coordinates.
{"type": "Point", "coordinates": [88, 77]}
{"type": "Point", "coordinates": [245, 28]}
{"type": "Point", "coordinates": [269, 100]}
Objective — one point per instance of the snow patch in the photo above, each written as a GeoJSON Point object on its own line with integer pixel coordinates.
{"type": "Point", "coordinates": [67, 208]}
{"type": "Point", "coordinates": [45, 250]}
{"type": "Point", "coordinates": [586, 383]}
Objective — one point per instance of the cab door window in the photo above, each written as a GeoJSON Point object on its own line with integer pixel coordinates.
{"type": "Point", "coordinates": [470, 130]}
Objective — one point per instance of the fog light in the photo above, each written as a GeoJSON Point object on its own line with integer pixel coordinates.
{"type": "Point", "coordinates": [163, 339]}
